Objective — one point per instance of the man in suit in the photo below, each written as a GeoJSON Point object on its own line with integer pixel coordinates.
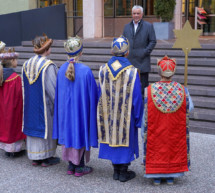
{"type": "Point", "coordinates": [142, 40]}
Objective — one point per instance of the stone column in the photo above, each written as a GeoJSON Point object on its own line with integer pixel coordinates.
{"type": "Point", "coordinates": [178, 14]}
{"type": "Point", "coordinates": [93, 18]}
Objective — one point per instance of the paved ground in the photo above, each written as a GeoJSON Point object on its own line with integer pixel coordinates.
{"type": "Point", "coordinates": [17, 175]}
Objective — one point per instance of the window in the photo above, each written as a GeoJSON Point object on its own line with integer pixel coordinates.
{"type": "Point", "coordinates": [78, 8]}
{"type": "Point", "coordinates": [188, 7]}
{"type": "Point", "coordinates": [46, 3]}
{"type": "Point", "coordinates": [109, 8]}
{"type": "Point", "coordinates": [123, 8]}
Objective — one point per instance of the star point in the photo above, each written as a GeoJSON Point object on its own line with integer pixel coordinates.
{"type": "Point", "coordinates": [187, 38]}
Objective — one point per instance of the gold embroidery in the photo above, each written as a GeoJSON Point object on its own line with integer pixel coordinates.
{"type": "Point", "coordinates": [12, 78]}
{"type": "Point", "coordinates": [34, 80]}
{"type": "Point", "coordinates": [117, 76]}
{"type": "Point", "coordinates": [114, 108]}
{"type": "Point", "coordinates": [116, 65]}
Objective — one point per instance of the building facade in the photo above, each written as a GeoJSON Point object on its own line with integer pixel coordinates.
{"type": "Point", "coordinates": [106, 18]}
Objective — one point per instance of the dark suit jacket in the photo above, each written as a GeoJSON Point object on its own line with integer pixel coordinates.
{"type": "Point", "coordinates": [141, 44]}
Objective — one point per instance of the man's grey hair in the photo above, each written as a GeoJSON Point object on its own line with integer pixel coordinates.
{"type": "Point", "coordinates": [137, 7]}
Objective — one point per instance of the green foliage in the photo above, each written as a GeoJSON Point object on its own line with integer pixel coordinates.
{"type": "Point", "coordinates": [165, 9]}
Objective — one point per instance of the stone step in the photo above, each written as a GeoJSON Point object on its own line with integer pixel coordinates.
{"type": "Point", "coordinates": [203, 102]}
{"type": "Point", "coordinates": [202, 127]}
{"type": "Point", "coordinates": [104, 55]}
{"type": "Point", "coordinates": [101, 43]}
{"type": "Point", "coordinates": [158, 53]}
{"type": "Point", "coordinates": [193, 80]}
{"type": "Point", "coordinates": [209, 71]}
{"type": "Point", "coordinates": [170, 45]}
{"type": "Point", "coordinates": [179, 53]}
{"type": "Point", "coordinates": [107, 51]}
{"type": "Point", "coordinates": [205, 91]}
{"type": "Point", "coordinates": [203, 114]}
{"type": "Point", "coordinates": [56, 43]}
{"type": "Point", "coordinates": [204, 62]}
{"type": "Point", "coordinates": [192, 70]}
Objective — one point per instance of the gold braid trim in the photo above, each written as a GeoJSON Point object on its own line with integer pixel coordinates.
{"type": "Point", "coordinates": [163, 110]}
{"type": "Point", "coordinates": [33, 81]}
{"type": "Point", "coordinates": [12, 78]}
{"type": "Point", "coordinates": [114, 145]}
{"type": "Point", "coordinates": [117, 76]}
{"type": "Point", "coordinates": [42, 151]}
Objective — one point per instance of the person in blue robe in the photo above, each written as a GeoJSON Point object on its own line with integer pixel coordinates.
{"type": "Point", "coordinates": [120, 110]}
{"type": "Point", "coordinates": [76, 97]}
{"type": "Point", "coordinates": [39, 80]}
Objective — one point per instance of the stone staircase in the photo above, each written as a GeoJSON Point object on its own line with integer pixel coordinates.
{"type": "Point", "coordinates": [201, 72]}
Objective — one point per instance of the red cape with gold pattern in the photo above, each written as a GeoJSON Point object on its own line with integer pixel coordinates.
{"type": "Point", "coordinates": [11, 110]}
{"type": "Point", "coordinates": [166, 129]}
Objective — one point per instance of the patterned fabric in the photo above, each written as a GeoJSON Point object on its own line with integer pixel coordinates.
{"type": "Point", "coordinates": [39, 148]}
{"type": "Point", "coordinates": [73, 46]}
{"type": "Point", "coordinates": [115, 106]}
{"type": "Point", "coordinates": [34, 66]}
{"type": "Point", "coordinates": [117, 65]}
{"type": "Point", "coordinates": [166, 66]}
{"type": "Point", "coordinates": [120, 46]}
{"type": "Point", "coordinates": [167, 96]}
{"type": "Point", "coordinates": [9, 55]}
{"type": "Point", "coordinates": [34, 96]}
{"type": "Point", "coordinates": [145, 128]}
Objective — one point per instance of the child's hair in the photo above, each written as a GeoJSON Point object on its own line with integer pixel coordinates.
{"type": "Point", "coordinates": [6, 63]}
{"type": "Point", "coordinates": [70, 72]}
{"type": "Point", "coordinates": [1, 75]}
{"type": "Point", "coordinates": [37, 42]}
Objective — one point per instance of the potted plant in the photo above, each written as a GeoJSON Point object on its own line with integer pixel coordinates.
{"type": "Point", "coordinates": [164, 9]}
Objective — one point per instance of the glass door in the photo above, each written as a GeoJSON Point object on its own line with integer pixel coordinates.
{"type": "Point", "coordinates": [209, 7]}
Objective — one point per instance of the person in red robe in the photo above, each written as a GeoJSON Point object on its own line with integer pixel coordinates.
{"type": "Point", "coordinates": [165, 126]}
{"type": "Point", "coordinates": [12, 140]}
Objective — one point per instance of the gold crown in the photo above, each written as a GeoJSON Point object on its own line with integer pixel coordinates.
{"type": "Point", "coordinates": [42, 41]}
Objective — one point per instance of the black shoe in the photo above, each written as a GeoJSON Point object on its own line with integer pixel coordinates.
{"type": "Point", "coordinates": [7, 154]}
{"type": "Point", "coordinates": [19, 154]}
{"type": "Point", "coordinates": [71, 168]}
{"type": "Point", "coordinates": [116, 175]}
{"type": "Point", "coordinates": [116, 171]}
{"type": "Point", "coordinates": [124, 174]}
{"type": "Point", "coordinates": [36, 162]}
{"type": "Point", "coordinates": [50, 161]}
{"type": "Point", "coordinates": [128, 175]}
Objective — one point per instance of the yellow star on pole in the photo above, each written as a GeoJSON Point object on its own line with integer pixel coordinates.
{"type": "Point", "coordinates": [187, 38]}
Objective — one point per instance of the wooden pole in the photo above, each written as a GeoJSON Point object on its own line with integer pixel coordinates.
{"type": "Point", "coordinates": [185, 67]}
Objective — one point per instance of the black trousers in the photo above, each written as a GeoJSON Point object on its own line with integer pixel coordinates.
{"type": "Point", "coordinates": [81, 164]}
{"type": "Point", "coordinates": [144, 79]}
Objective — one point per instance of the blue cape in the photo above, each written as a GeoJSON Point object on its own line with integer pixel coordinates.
{"type": "Point", "coordinates": [75, 108]}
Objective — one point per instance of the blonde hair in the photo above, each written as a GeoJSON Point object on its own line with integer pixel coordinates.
{"type": "Point", "coordinates": [1, 75]}
{"type": "Point", "coordinates": [70, 72]}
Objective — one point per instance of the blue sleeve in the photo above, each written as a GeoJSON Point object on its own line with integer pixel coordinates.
{"type": "Point", "coordinates": [143, 118]}
{"type": "Point", "coordinates": [191, 106]}
{"type": "Point", "coordinates": [137, 102]}
{"type": "Point", "coordinates": [93, 93]}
